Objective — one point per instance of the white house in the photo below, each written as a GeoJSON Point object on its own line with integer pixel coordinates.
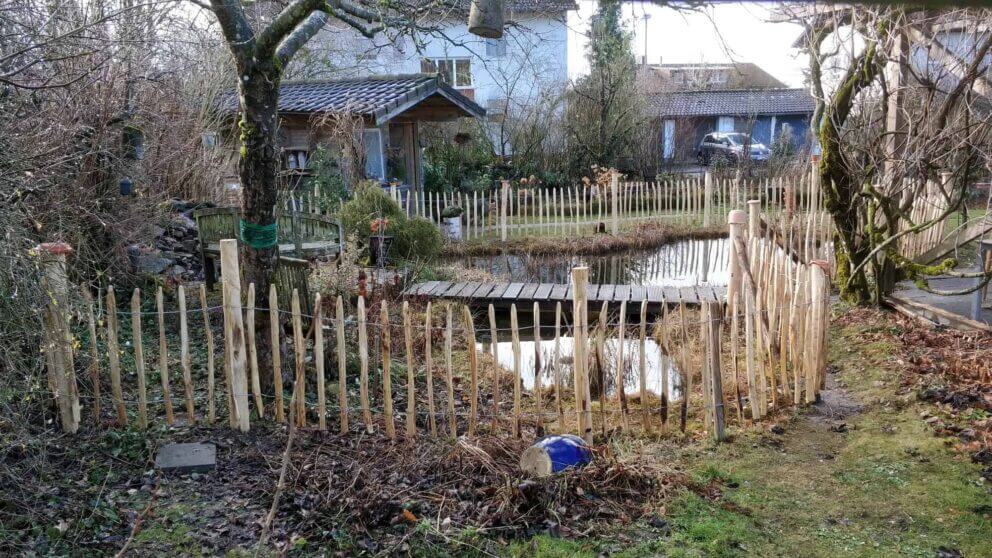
{"type": "Point", "coordinates": [526, 67]}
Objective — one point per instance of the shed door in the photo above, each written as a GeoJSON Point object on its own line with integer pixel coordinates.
{"type": "Point", "coordinates": [668, 147]}
{"type": "Point", "coordinates": [725, 124]}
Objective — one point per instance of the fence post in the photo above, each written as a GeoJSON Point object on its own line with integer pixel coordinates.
{"type": "Point", "coordinates": [318, 361]}
{"type": "Point", "coordinates": [234, 327]}
{"type": "Point", "coordinates": [139, 358]}
{"type": "Point", "coordinates": [707, 198]}
{"type": "Point", "coordinates": [184, 356]}
{"type": "Point", "coordinates": [753, 218]}
{"type": "Point", "coordinates": [274, 333]}
{"type": "Point", "coordinates": [163, 357]}
{"type": "Point", "coordinates": [735, 223]}
{"type": "Point", "coordinates": [714, 312]}
{"type": "Point", "coordinates": [580, 319]}
{"type": "Point", "coordinates": [615, 195]}
{"type": "Point", "coordinates": [385, 338]}
{"type": "Point", "coordinates": [113, 357]}
{"type": "Point", "coordinates": [94, 353]}
{"type": "Point", "coordinates": [515, 338]}
{"type": "Point", "coordinates": [473, 366]}
{"type": "Point", "coordinates": [342, 365]}
{"type": "Point", "coordinates": [61, 371]}
{"type": "Point", "coordinates": [818, 316]}
{"type": "Point", "coordinates": [411, 390]}
{"type": "Point", "coordinates": [504, 199]}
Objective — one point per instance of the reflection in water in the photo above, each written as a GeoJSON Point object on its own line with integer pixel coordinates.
{"type": "Point", "coordinates": [679, 264]}
{"type": "Point", "coordinates": [656, 362]}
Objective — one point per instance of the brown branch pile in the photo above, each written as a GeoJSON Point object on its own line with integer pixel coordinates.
{"type": "Point", "coordinates": [368, 483]}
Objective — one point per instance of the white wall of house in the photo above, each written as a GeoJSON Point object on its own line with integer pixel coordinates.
{"type": "Point", "coordinates": [526, 67]}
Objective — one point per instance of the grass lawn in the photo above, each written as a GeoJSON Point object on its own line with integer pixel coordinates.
{"type": "Point", "coordinates": [873, 483]}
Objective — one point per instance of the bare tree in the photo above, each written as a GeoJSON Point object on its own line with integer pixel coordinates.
{"type": "Point", "coordinates": [902, 120]}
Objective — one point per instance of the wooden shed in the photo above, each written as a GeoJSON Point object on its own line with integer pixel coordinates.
{"type": "Point", "coordinates": [380, 115]}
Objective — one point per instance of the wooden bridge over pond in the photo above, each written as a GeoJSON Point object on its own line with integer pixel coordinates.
{"type": "Point", "coordinates": [505, 294]}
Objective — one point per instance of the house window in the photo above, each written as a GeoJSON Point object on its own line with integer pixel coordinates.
{"type": "Point", "coordinates": [456, 72]}
{"type": "Point", "coordinates": [374, 161]}
{"type": "Point", "coordinates": [496, 48]}
{"type": "Point", "coordinates": [296, 159]}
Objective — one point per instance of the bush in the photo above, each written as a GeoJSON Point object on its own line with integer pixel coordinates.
{"type": "Point", "coordinates": [417, 239]}
{"type": "Point", "coordinates": [369, 203]}
{"type": "Point", "coordinates": [414, 239]}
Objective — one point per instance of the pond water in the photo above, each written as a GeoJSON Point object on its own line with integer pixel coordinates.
{"type": "Point", "coordinates": [680, 264]}
{"type": "Point", "coordinates": [657, 363]}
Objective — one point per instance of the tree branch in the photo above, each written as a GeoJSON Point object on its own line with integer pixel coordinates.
{"type": "Point", "coordinates": [234, 25]}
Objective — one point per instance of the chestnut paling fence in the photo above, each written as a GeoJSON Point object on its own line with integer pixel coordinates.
{"type": "Point", "coordinates": [764, 348]}
{"type": "Point", "coordinates": [795, 202]}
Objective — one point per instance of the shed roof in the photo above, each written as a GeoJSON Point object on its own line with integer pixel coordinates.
{"type": "Point", "coordinates": [731, 102]}
{"type": "Point", "coordinates": [378, 97]}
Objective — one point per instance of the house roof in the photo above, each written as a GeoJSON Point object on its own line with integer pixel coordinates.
{"type": "Point", "coordinates": [655, 78]}
{"type": "Point", "coordinates": [731, 102]}
{"type": "Point", "coordinates": [378, 97]}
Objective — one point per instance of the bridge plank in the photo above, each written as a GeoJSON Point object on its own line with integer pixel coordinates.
{"type": "Point", "coordinates": [439, 288]}
{"type": "Point", "coordinates": [498, 290]}
{"type": "Point", "coordinates": [543, 291]}
{"type": "Point", "coordinates": [513, 290]}
{"type": "Point", "coordinates": [550, 292]}
{"type": "Point", "coordinates": [592, 291]}
{"type": "Point", "coordinates": [483, 291]}
{"type": "Point", "coordinates": [453, 290]}
{"type": "Point", "coordinates": [527, 293]}
{"type": "Point", "coordinates": [655, 294]}
{"type": "Point", "coordinates": [621, 293]}
{"type": "Point", "coordinates": [605, 293]}
{"type": "Point", "coordinates": [638, 293]}
{"type": "Point", "coordinates": [469, 288]}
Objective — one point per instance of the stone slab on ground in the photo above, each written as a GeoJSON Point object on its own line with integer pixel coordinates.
{"type": "Point", "coordinates": [187, 458]}
{"type": "Point", "coordinates": [961, 305]}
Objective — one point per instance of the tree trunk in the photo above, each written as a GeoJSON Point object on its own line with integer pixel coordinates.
{"type": "Point", "coordinates": [257, 168]}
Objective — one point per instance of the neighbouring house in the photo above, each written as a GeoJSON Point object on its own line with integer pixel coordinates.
{"type": "Point", "coordinates": [368, 125]}
{"type": "Point", "coordinates": [688, 101]}
{"type": "Point", "coordinates": [527, 67]}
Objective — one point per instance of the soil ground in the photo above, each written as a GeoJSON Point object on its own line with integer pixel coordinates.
{"type": "Point", "coordinates": [868, 471]}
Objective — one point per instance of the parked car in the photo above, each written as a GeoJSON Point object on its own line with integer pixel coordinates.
{"type": "Point", "coordinates": [732, 147]}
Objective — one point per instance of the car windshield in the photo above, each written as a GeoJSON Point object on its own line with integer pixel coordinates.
{"type": "Point", "coordinates": [738, 139]}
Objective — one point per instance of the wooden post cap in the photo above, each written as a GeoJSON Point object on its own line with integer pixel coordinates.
{"type": "Point", "coordinates": [737, 217]}
{"type": "Point", "coordinates": [751, 203]}
{"type": "Point", "coordinates": [54, 248]}
{"type": "Point", "coordinates": [822, 264]}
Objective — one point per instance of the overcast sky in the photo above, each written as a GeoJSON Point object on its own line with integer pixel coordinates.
{"type": "Point", "coordinates": [686, 38]}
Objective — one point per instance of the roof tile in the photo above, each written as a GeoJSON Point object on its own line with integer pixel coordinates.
{"type": "Point", "coordinates": [371, 96]}
{"type": "Point", "coordinates": [736, 102]}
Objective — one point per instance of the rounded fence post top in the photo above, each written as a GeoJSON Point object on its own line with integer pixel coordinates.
{"type": "Point", "coordinates": [55, 248]}
{"type": "Point", "coordinates": [737, 217]}
{"type": "Point", "coordinates": [752, 203]}
{"type": "Point", "coordinates": [822, 264]}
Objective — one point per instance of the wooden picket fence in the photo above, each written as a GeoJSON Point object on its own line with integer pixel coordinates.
{"type": "Point", "coordinates": [511, 209]}
{"type": "Point", "coordinates": [764, 349]}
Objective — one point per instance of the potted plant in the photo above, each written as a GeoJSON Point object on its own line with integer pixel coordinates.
{"type": "Point", "coordinates": [379, 241]}
{"type": "Point", "coordinates": [451, 222]}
